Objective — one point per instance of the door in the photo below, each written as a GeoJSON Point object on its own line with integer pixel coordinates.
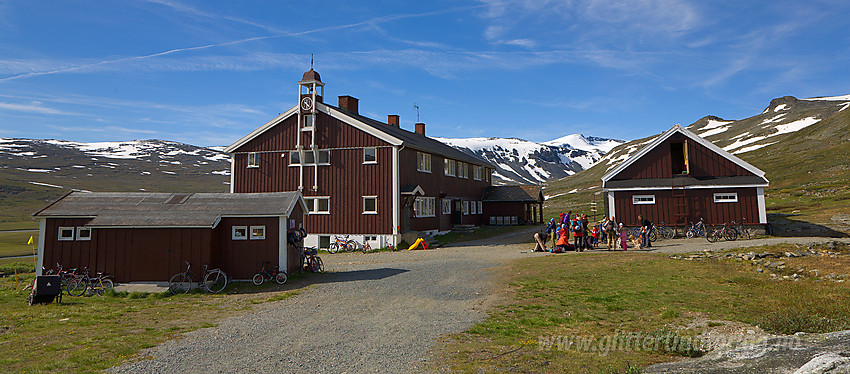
{"type": "Point", "coordinates": [150, 255]}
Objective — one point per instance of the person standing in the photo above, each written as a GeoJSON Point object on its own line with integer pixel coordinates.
{"type": "Point", "coordinates": [610, 232]}
{"type": "Point", "coordinates": [624, 237]}
{"type": "Point", "coordinates": [645, 227]}
{"type": "Point", "coordinates": [578, 234]}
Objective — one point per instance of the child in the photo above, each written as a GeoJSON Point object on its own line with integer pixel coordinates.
{"type": "Point", "coordinates": [563, 241]}
{"type": "Point", "coordinates": [624, 239]}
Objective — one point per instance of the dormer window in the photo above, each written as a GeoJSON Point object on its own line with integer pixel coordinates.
{"type": "Point", "coordinates": [679, 157]}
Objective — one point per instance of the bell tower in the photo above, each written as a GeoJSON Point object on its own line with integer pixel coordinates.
{"type": "Point", "coordinates": [310, 91]}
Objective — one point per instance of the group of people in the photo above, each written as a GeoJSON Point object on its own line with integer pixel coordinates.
{"type": "Point", "coordinates": [583, 235]}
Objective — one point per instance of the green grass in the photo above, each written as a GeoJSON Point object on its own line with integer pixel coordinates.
{"type": "Point", "coordinates": [15, 243]}
{"type": "Point", "coordinates": [89, 334]}
{"type": "Point", "coordinates": [616, 296]}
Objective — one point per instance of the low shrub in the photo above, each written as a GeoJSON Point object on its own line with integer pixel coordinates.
{"type": "Point", "coordinates": [21, 267]}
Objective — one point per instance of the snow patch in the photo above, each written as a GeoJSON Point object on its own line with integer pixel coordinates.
{"type": "Point", "coordinates": [741, 143]}
{"type": "Point", "coordinates": [714, 131]}
{"type": "Point", "coordinates": [36, 170]}
{"type": "Point", "coordinates": [780, 107]}
{"type": "Point", "coordinates": [714, 124]}
{"type": "Point", "coordinates": [752, 148]}
{"type": "Point", "coordinates": [830, 98]}
{"type": "Point", "coordinates": [796, 125]}
{"type": "Point", "coordinates": [46, 185]}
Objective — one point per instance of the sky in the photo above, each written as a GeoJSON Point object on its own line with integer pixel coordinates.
{"type": "Point", "coordinates": [209, 72]}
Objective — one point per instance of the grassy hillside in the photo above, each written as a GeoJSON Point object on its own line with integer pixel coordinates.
{"type": "Point", "coordinates": [809, 173]}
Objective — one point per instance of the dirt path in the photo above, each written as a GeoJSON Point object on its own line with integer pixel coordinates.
{"type": "Point", "coordinates": [371, 313]}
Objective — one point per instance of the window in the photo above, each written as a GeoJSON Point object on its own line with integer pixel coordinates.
{"type": "Point", "coordinates": [83, 233]}
{"type": "Point", "coordinates": [324, 241]}
{"type": "Point", "coordinates": [462, 170]}
{"type": "Point", "coordinates": [239, 233]}
{"type": "Point", "coordinates": [446, 206]}
{"type": "Point", "coordinates": [679, 157]}
{"type": "Point", "coordinates": [726, 197]}
{"type": "Point", "coordinates": [465, 207]}
{"type": "Point", "coordinates": [643, 199]}
{"type": "Point", "coordinates": [318, 205]}
{"type": "Point", "coordinates": [253, 160]}
{"type": "Point", "coordinates": [308, 123]}
{"type": "Point", "coordinates": [423, 162]}
{"type": "Point", "coordinates": [310, 157]}
{"type": "Point", "coordinates": [449, 167]}
{"type": "Point", "coordinates": [424, 206]}
{"type": "Point", "coordinates": [370, 205]}
{"type": "Point", "coordinates": [370, 155]}
{"type": "Point", "coordinates": [480, 206]}
{"type": "Point", "coordinates": [258, 232]}
{"type": "Point", "coordinates": [477, 172]}
{"type": "Point", "coordinates": [66, 233]}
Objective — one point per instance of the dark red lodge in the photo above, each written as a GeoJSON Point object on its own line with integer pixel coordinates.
{"type": "Point", "coordinates": [149, 236]}
{"type": "Point", "coordinates": [680, 177]}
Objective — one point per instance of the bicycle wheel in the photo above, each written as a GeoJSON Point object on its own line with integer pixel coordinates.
{"type": "Point", "coordinates": [179, 283]}
{"type": "Point", "coordinates": [730, 234]}
{"type": "Point", "coordinates": [101, 286]}
{"type": "Point", "coordinates": [215, 281]}
{"type": "Point", "coordinates": [334, 248]}
{"type": "Point", "coordinates": [320, 266]}
{"type": "Point", "coordinates": [744, 232]}
{"type": "Point", "coordinates": [668, 233]}
{"type": "Point", "coordinates": [711, 236]}
{"type": "Point", "coordinates": [653, 236]}
{"type": "Point", "coordinates": [280, 278]}
{"type": "Point", "coordinates": [352, 246]}
{"type": "Point", "coordinates": [258, 279]}
{"type": "Point", "coordinates": [690, 233]}
{"type": "Point", "coordinates": [312, 264]}
{"type": "Point", "coordinates": [76, 287]}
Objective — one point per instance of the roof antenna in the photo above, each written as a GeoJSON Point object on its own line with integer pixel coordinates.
{"type": "Point", "coordinates": [417, 111]}
{"type": "Point", "coordinates": [311, 61]}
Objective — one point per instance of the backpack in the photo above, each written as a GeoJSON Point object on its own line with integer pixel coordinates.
{"type": "Point", "coordinates": [577, 227]}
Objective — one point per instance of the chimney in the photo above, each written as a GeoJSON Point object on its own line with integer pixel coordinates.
{"type": "Point", "coordinates": [392, 120]}
{"type": "Point", "coordinates": [420, 128]}
{"type": "Point", "coordinates": [348, 103]}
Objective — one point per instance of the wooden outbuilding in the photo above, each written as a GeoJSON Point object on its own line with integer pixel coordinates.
{"type": "Point", "coordinates": [680, 177]}
{"type": "Point", "coordinates": [512, 205]}
{"type": "Point", "coordinates": [150, 236]}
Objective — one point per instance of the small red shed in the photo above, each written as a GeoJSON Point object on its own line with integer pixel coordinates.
{"type": "Point", "coordinates": [149, 236]}
{"type": "Point", "coordinates": [680, 177]}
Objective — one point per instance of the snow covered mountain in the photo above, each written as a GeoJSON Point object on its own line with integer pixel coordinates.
{"type": "Point", "coordinates": [113, 166]}
{"type": "Point", "coordinates": [521, 161]}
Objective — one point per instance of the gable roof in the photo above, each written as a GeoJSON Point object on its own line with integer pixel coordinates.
{"type": "Point", "coordinates": [390, 134]}
{"type": "Point", "coordinates": [681, 130]}
{"type": "Point", "coordinates": [520, 193]}
{"type": "Point", "coordinates": [147, 209]}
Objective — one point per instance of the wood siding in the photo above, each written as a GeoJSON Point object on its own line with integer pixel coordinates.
{"type": "Point", "coordinates": [346, 180]}
{"type": "Point", "coordinates": [700, 204]}
{"type": "Point", "coordinates": [702, 163]}
{"type": "Point", "coordinates": [440, 186]}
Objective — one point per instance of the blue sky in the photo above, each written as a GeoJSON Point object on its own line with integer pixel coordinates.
{"type": "Point", "coordinates": [208, 72]}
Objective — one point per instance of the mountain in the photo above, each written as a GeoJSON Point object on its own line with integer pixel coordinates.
{"type": "Point", "coordinates": [35, 172]}
{"type": "Point", "coordinates": [520, 161]}
{"type": "Point", "coordinates": [802, 145]}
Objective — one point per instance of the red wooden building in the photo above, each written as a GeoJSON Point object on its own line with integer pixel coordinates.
{"type": "Point", "coordinates": [149, 236]}
{"type": "Point", "coordinates": [679, 178]}
{"type": "Point", "coordinates": [360, 177]}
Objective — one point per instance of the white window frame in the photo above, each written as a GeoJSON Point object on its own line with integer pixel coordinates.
{"type": "Point", "coordinates": [477, 172]}
{"type": "Point", "coordinates": [258, 236]}
{"type": "Point", "coordinates": [82, 229]}
{"type": "Point", "coordinates": [235, 229]}
{"type": "Point", "coordinates": [466, 207]}
{"type": "Point", "coordinates": [643, 199]}
{"type": "Point", "coordinates": [253, 160]}
{"type": "Point", "coordinates": [725, 197]}
{"type": "Point", "coordinates": [450, 168]}
{"type": "Point", "coordinates": [446, 206]}
{"type": "Point", "coordinates": [313, 206]}
{"type": "Point", "coordinates": [374, 198]}
{"type": "Point", "coordinates": [480, 207]}
{"type": "Point", "coordinates": [423, 162]}
{"type": "Point", "coordinates": [462, 170]}
{"type": "Point", "coordinates": [66, 238]}
{"type": "Point", "coordinates": [374, 156]}
{"type": "Point", "coordinates": [423, 206]}
{"type": "Point", "coordinates": [308, 123]}
{"type": "Point", "coordinates": [295, 157]}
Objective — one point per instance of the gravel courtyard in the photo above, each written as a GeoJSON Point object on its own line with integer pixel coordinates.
{"type": "Point", "coordinates": [369, 313]}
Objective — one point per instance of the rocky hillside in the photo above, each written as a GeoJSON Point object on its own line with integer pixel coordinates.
{"type": "Point", "coordinates": [522, 162]}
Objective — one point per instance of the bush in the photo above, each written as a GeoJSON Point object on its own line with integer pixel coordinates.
{"type": "Point", "coordinates": [796, 320]}
{"type": "Point", "coordinates": [22, 268]}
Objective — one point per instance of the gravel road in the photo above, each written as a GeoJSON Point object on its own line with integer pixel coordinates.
{"type": "Point", "coordinates": [371, 313]}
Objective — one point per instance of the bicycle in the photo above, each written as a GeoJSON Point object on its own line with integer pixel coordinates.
{"type": "Point", "coordinates": [97, 284]}
{"type": "Point", "coordinates": [695, 230]}
{"type": "Point", "coordinates": [278, 276]}
{"type": "Point", "coordinates": [366, 246]}
{"type": "Point", "coordinates": [724, 232]}
{"type": "Point", "coordinates": [663, 231]}
{"type": "Point", "coordinates": [743, 232]}
{"type": "Point", "coordinates": [345, 244]}
{"type": "Point", "coordinates": [311, 261]}
{"type": "Point", "coordinates": [213, 281]}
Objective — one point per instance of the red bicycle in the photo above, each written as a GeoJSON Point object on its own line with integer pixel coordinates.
{"type": "Point", "coordinates": [278, 276]}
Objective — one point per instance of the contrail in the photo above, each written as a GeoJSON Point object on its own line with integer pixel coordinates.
{"type": "Point", "coordinates": [282, 35]}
